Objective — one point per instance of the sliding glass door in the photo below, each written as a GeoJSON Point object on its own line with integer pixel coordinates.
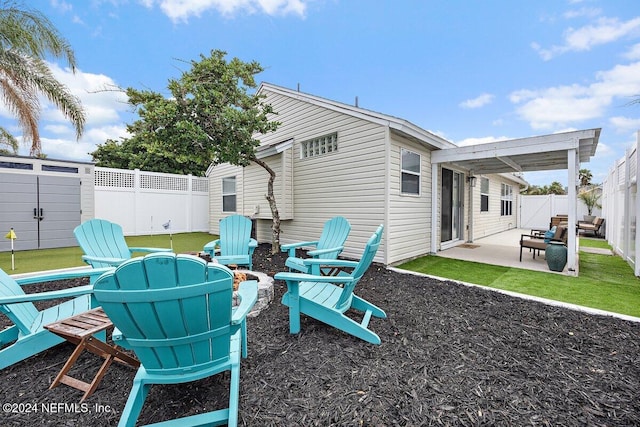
{"type": "Point", "coordinates": [452, 215]}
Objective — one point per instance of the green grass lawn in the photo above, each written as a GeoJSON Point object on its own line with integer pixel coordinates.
{"type": "Point", "coordinates": [605, 282]}
{"type": "Point", "coordinates": [52, 259]}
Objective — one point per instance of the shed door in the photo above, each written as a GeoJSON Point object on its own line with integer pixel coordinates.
{"type": "Point", "coordinates": [42, 210]}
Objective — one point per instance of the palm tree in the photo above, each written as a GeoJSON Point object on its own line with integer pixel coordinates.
{"type": "Point", "coordinates": [26, 37]}
{"type": "Point", "coordinates": [7, 140]}
{"type": "Point", "coordinates": [585, 176]}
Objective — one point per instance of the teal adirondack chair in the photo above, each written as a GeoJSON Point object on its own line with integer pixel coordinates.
{"type": "Point", "coordinates": [328, 298]}
{"type": "Point", "coordinates": [235, 245]}
{"type": "Point", "coordinates": [27, 335]}
{"type": "Point", "coordinates": [104, 245]}
{"type": "Point", "coordinates": [175, 312]}
{"type": "Point", "coordinates": [331, 243]}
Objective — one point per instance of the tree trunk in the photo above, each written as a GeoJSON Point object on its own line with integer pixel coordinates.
{"type": "Point", "coordinates": [275, 228]}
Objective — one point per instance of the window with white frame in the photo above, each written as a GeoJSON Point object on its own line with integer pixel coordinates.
{"type": "Point", "coordinates": [484, 194]}
{"type": "Point", "coordinates": [318, 146]}
{"type": "Point", "coordinates": [506, 200]}
{"type": "Point", "coordinates": [410, 171]}
{"type": "Point", "coordinates": [229, 194]}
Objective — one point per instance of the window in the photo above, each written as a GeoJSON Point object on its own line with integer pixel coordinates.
{"type": "Point", "coordinates": [319, 146]}
{"type": "Point", "coordinates": [484, 194]}
{"type": "Point", "coordinates": [410, 180]}
{"type": "Point", "coordinates": [229, 194]}
{"type": "Point", "coordinates": [506, 200]}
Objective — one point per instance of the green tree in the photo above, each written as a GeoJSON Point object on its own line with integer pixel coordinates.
{"type": "Point", "coordinates": [209, 118]}
{"type": "Point", "coordinates": [8, 140]}
{"type": "Point", "coordinates": [585, 176]}
{"type": "Point", "coordinates": [555, 188]}
{"type": "Point", "coordinates": [26, 38]}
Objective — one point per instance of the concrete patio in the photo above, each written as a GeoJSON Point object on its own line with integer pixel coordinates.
{"type": "Point", "coordinates": [500, 249]}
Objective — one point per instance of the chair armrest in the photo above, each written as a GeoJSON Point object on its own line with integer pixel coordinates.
{"type": "Point", "coordinates": [253, 243]}
{"type": "Point", "coordinates": [111, 261]}
{"type": "Point", "coordinates": [291, 247]}
{"type": "Point", "coordinates": [45, 296]}
{"type": "Point", "coordinates": [302, 277]}
{"type": "Point", "coordinates": [210, 247]}
{"type": "Point", "coordinates": [318, 252]}
{"type": "Point", "coordinates": [531, 236]}
{"type": "Point", "coordinates": [317, 264]}
{"type": "Point", "coordinates": [248, 295]}
{"type": "Point", "coordinates": [151, 250]}
{"type": "Point", "coordinates": [40, 277]}
{"type": "Point", "coordinates": [330, 262]}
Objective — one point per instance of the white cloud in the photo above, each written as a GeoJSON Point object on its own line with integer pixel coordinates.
{"type": "Point", "coordinates": [105, 108]}
{"type": "Point", "coordinates": [605, 30]}
{"type": "Point", "coordinates": [182, 10]}
{"type": "Point", "coordinates": [633, 53]}
{"type": "Point", "coordinates": [624, 124]}
{"type": "Point", "coordinates": [561, 105]}
{"type": "Point", "coordinates": [102, 100]}
{"type": "Point", "coordinates": [590, 12]}
{"type": "Point", "coordinates": [477, 102]}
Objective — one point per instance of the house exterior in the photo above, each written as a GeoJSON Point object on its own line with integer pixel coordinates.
{"type": "Point", "coordinates": [337, 159]}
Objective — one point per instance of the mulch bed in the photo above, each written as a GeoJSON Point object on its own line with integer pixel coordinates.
{"type": "Point", "coordinates": [450, 355]}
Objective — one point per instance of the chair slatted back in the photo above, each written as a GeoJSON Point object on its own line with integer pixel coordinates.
{"type": "Point", "coordinates": [334, 234]}
{"type": "Point", "coordinates": [173, 310]}
{"type": "Point", "coordinates": [363, 265]}
{"type": "Point", "coordinates": [21, 314]}
{"type": "Point", "coordinates": [235, 235]}
{"type": "Point", "coordinates": [101, 238]}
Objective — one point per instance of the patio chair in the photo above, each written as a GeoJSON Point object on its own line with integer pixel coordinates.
{"type": "Point", "coordinates": [27, 336]}
{"type": "Point", "coordinates": [328, 298]}
{"type": "Point", "coordinates": [537, 243]}
{"type": "Point", "coordinates": [104, 245]}
{"type": "Point", "coordinates": [329, 246]}
{"type": "Point", "coordinates": [235, 245]}
{"type": "Point", "coordinates": [593, 227]}
{"type": "Point", "coordinates": [175, 312]}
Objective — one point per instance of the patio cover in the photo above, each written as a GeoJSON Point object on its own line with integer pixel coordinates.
{"type": "Point", "coordinates": [547, 152]}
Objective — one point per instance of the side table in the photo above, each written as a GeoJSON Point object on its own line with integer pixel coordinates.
{"type": "Point", "coordinates": [80, 330]}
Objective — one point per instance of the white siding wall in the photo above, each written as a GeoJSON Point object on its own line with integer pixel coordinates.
{"type": "Point", "coordinates": [491, 222]}
{"type": "Point", "coordinates": [349, 182]}
{"type": "Point", "coordinates": [215, 193]}
{"type": "Point", "coordinates": [409, 217]}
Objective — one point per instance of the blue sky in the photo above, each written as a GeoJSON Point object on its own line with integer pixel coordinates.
{"type": "Point", "coordinates": [469, 71]}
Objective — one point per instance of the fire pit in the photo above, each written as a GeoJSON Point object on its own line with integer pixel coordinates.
{"type": "Point", "coordinates": [265, 284]}
{"type": "Point", "coordinates": [265, 288]}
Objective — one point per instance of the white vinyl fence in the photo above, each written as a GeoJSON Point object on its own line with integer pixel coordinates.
{"type": "Point", "coordinates": [152, 203]}
{"type": "Point", "coordinates": [620, 206]}
{"type": "Point", "coordinates": [536, 211]}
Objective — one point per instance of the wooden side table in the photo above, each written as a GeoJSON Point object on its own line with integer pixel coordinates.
{"type": "Point", "coordinates": [80, 330]}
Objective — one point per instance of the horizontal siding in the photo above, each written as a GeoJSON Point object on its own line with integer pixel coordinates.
{"type": "Point", "coordinates": [409, 216]}
{"type": "Point", "coordinates": [349, 182]}
{"type": "Point", "coordinates": [488, 223]}
{"type": "Point", "coordinates": [215, 193]}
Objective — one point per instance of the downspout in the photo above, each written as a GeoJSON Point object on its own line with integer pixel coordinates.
{"type": "Point", "coordinates": [387, 186]}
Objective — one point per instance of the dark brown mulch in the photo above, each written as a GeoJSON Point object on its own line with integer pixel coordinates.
{"type": "Point", "coordinates": [450, 355]}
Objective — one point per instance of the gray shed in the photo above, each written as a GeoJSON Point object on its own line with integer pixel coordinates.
{"type": "Point", "coordinates": [43, 200]}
